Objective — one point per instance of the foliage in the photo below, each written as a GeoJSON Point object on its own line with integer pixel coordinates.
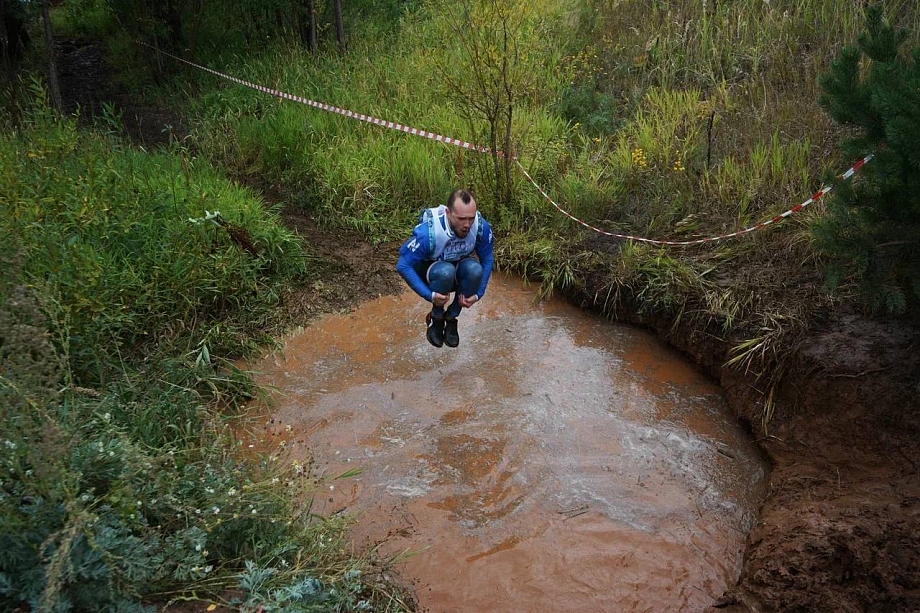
{"type": "Point", "coordinates": [872, 228]}
{"type": "Point", "coordinates": [92, 520]}
{"type": "Point", "coordinates": [120, 482]}
{"type": "Point", "coordinates": [89, 19]}
{"type": "Point", "coordinates": [545, 258]}
{"type": "Point", "coordinates": [595, 111]}
{"type": "Point", "coordinates": [106, 232]}
{"type": "Point", "coordinates": [350, 173]}
{"type": "Point", "coordinates": [659, 282]}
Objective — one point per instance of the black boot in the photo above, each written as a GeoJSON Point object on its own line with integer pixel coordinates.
{"type": "Point", "coordinates": [435, 331]}
{"type": "Point", "coordinates": [451, 336]}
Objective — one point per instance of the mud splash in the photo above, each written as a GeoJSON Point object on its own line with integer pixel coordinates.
{"type": "Point", "coordinates": [554, 461]}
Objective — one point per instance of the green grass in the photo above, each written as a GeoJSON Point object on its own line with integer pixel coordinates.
{"type": "Point", "coordinates": [122, 484]}
{"type": "Point", "coordinates": [663, 71]}
{"type": "Point", "coordinates": [106, 232]}
{"type": "Point", "coordinates": [360, 175]}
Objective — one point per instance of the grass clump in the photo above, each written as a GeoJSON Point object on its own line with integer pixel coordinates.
{"type": "Point", "coordinates": [122, 486]}
{"type": "Point", "coordinates": [108, 235]}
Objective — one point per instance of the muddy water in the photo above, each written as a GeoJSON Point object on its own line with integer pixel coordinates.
{"type": "Point", "coordinates": [553, 462]}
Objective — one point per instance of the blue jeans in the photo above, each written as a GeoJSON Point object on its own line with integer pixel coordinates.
{"type": "Point", "coordinates": [462, 277]}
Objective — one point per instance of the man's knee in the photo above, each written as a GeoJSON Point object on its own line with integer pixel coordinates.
{"type": "Point", "coordinates": [442, 276]}
{"type": "Point", "coordinates": [469, 269]}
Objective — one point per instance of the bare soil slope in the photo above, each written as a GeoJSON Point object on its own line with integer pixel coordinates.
{"type": "Point", "coordinates": [840, 528]}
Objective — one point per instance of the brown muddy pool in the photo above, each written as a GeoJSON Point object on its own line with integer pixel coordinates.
{"type": "Point", "coordinates": [553, 462]}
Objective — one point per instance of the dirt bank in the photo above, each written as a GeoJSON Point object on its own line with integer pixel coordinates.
{"type": "Point", "coordinates": [839, 528]}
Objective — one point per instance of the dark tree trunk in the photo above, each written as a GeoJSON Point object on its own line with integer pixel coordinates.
{"type": "Point", "coordinates": [339, 26]}
{"type": "Point", "coordinates": [5, 48]}
{"type": "Point", "coordinates": [311, 15]}
{"type": "Point", "coordinates": [196, 25]}
{"type": "Point", "coordinates": [14, 39]}
{"type": "Point", "coordinates": [300, 30]}
{"type": "Point", "coordinates": [506, 161]}
{"type": "Point", "coordinates": [54, 85]}
{"type": "Point", "coordinates": [174, 22]}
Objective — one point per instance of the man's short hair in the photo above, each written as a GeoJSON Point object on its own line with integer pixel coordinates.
{"type": "Point", "coordinates": [462, 194]}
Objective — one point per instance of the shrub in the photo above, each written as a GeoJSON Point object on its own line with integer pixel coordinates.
{"type": "Point", "coordinates": [594, 110]}
{"type": "Point", "coordinates": [872, 227]}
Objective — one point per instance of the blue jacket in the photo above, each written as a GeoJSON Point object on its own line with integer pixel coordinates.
{"type": "Point", "coordinates": [416, 255]}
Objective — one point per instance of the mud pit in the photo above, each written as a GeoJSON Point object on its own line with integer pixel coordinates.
{"type": "Point", "coordinates": [552, 460]}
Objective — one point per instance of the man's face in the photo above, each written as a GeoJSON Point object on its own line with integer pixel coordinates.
{"type": "Point", "coordinates": [461, 218]}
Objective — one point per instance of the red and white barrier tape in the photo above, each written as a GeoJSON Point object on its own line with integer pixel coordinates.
{"type": "Point", "coordinates": [332, 109]}
{"type": "Point", "coordinates": [466, 145]}
{"type": "Point", "coordinates": [818, 195]}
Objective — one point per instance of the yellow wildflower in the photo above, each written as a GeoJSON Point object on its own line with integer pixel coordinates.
{"type": "Point", "coordinates": [638, 158]}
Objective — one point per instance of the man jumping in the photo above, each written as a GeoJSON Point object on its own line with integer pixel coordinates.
{"type": "Point", "coordinates": [450, 250]}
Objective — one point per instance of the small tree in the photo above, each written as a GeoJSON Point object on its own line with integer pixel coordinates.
{"type": "Point", "coordinates": [495, 73]}
{"type": "Point", "coordinates": [308, 33]}
{"type": "Point", "coordinates": [872, 226]}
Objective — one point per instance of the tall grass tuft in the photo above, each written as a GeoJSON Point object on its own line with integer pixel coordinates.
{"type": "Point", "coordinates": [108, 234]}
